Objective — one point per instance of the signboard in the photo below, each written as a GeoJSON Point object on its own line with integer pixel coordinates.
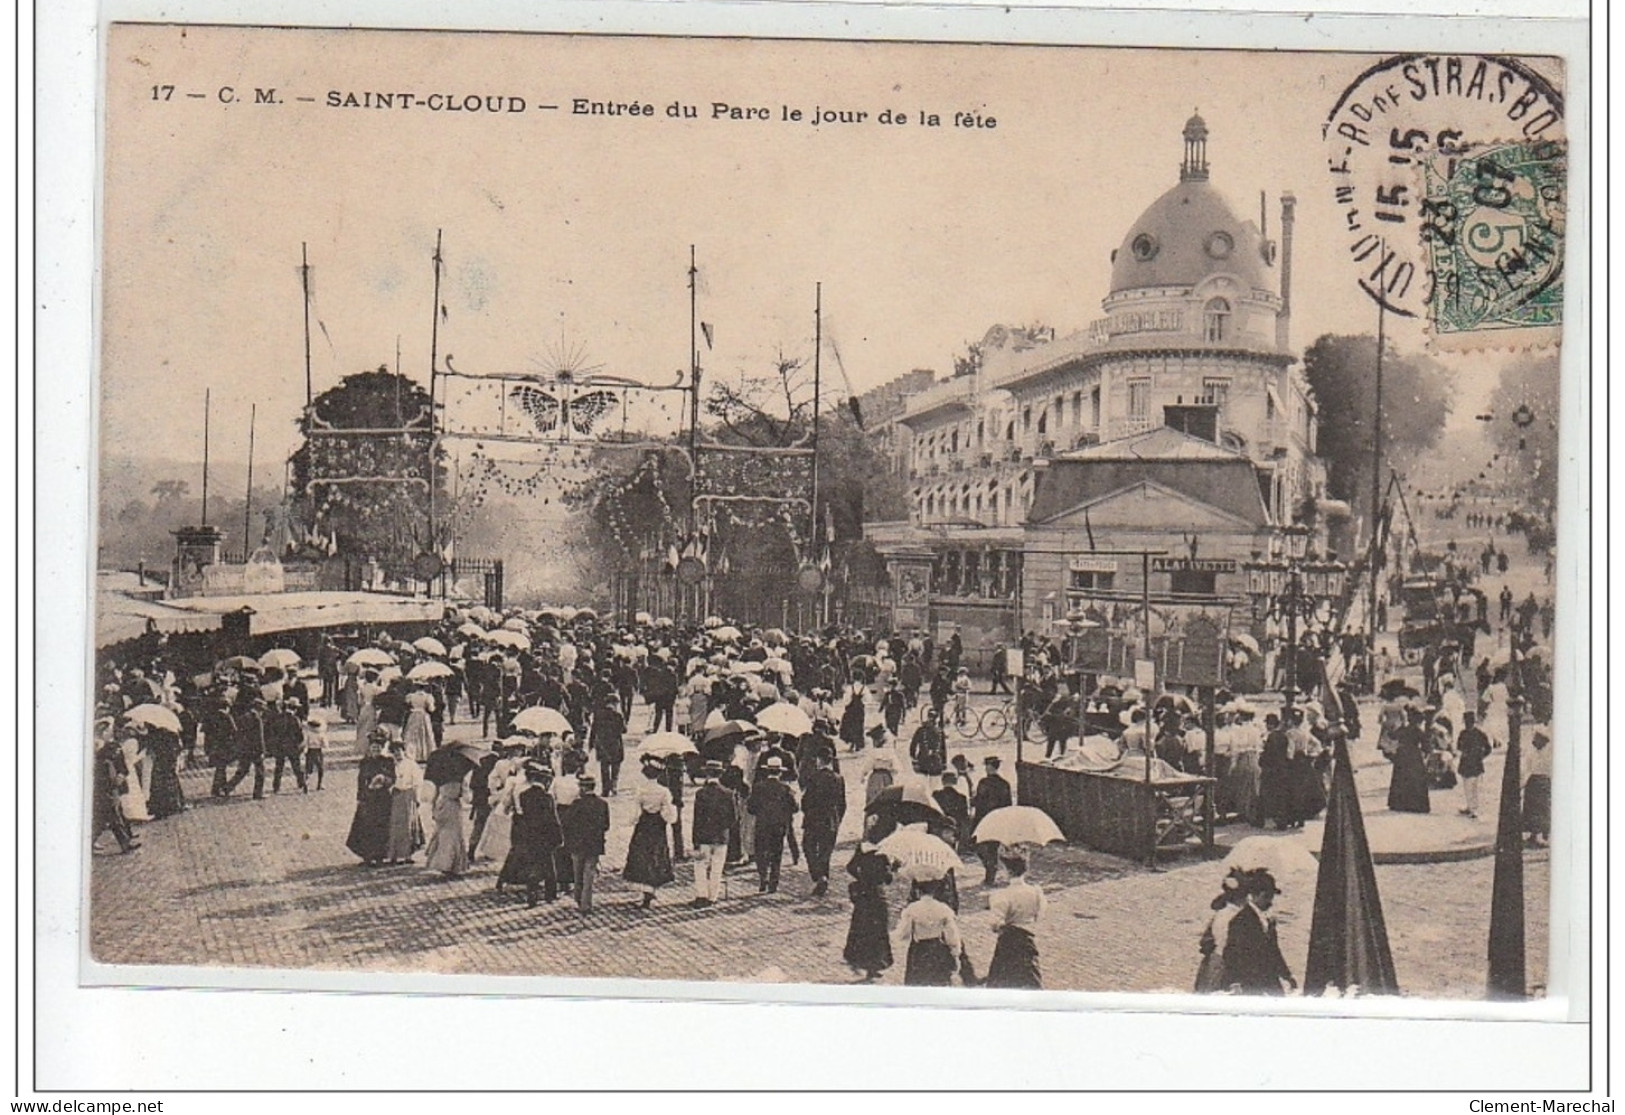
{"type": "Point", "coordinates": [1015, 662]}
{"type": "Point", "coordinates": [1193, 565]}
{"type": "Point", "coordinates": [1145, 675]}
{"type": "Point", "coordinates": [1196, 657]}
{"type": "Point", "coordinates": [1083, 564]}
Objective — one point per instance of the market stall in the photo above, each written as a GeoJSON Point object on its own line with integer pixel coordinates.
{"type": "Point", "coordinates": [1118, 810]}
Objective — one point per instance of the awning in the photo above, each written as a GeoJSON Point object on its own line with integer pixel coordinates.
{"type": "Point", "coordinates": [295, 611]}
{"type": "Point", "coordinates": [120, 617]}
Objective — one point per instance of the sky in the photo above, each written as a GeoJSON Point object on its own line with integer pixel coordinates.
{"type": "Point", "coordinates": [566, 236]}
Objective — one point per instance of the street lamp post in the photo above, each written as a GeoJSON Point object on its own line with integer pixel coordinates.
{"type": "Point", "coordinates": [1293, 583]}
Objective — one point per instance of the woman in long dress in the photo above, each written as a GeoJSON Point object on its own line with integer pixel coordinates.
{"type": "Point", "coordinates": [1016, 909]}
{"type": "Point", "coordinates": [1537, 789]}
{"type": "Point", "coordinates": [133, 802]}
{"type": "Point", "coordinates": [506, 784]}
{"type": "Point", "coordinates": [164, 797]}
{"type": "Point", "coordinates": [1210, 972]}
{"type": "Point", "coordinates": [929, 932]}
{"type": "Point", "coordinates": [882, 771]}
{"type": "Point", "coordinates": [418, 735]}
{"type": "Point", "coordinates": [448, 846]}
{"type": "Point", "coordinates": [405, 835]}
{"type": "Point", "coordinates": [868, 938]}
{"type": "Point", "coordinates": [1408, 784]}
{"type": "Point", "coordinates": [374, 781]}
{"type": "Point", "coordinates": [366, 717]}
{"type": "Point", "coordinates": [1494, 701]}
{"type": "Point", "coordinates": [648, 856]}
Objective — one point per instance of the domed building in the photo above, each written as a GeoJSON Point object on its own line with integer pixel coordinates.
{"type": "Point", "coordinates": [1178, 422]}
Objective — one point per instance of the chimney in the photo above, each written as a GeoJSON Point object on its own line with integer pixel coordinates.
{"type": "Point", "coordinates": [1283, 320]}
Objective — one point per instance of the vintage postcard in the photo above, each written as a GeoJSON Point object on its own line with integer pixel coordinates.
{"type": "Point", "coordinates": [814, 512]}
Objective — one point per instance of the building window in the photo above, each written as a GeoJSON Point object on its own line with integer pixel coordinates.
{"type": "Point", "coordinates": [1139, 400]}
{"type": "Point", "coordinates": [1269, 406]}
{"type": "Point", "coordinates": [1216, 318]}
{"type": "Point", "coordinates": [1193, 582]}
{"type": "Point", "coordinates": [1216, 392]}
{"type": "Point", "coordinates": [980, 430]}
{"type": "Point", "coordinates": [1077, 408]}
{"type": "Point", "coordinates": [1010, 431]}
{"type": "Point", "coordinates": [953, 442]}
{"type": "Point", "coordinates": [1043, 421]}
{"type": "Point", "coordinates": [1082, 579]}
{"type": "Point", "coordinates": [1026, 419]}
{"type": "Point", "coordinates": [1094, 407]}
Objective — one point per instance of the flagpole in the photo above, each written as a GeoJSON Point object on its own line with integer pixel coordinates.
{"type": "Point", "coordinates": [205, 521]}
{"type": "Point", "coordinates": [818, 363]}
{"type": "Point", "coordinates": [248, 498]}
{"type": "Point", "coordinates": [434, 365]}
{"type": "Point", "coordinates": [304, 278]}
{"type": "Point", "coordinates": [1376, 489]}
{"type": "Point", "coordinates": [693, 387]}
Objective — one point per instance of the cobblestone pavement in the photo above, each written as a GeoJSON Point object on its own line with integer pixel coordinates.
{"type": "Point", "coordinates": [270, 884]}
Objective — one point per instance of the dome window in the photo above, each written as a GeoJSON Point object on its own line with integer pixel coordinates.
{"type": "Point", "coordinates": [1145, 247]}
{"type": "Point", "coordinates": [1220, 245]}
{"type": "Point", "coordinates": [1216, 320]}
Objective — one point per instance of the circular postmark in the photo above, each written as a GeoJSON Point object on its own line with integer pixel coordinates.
{"type": "Point", "coordinates": [1448, 172]}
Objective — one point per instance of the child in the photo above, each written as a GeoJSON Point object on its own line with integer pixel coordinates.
{"type": "Point", "coordinates": [315, 741]}
{"type": "Point", "coordinates": [961, 695]}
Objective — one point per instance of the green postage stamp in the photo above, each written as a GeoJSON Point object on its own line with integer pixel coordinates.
{"type": "Point", "coordinates": [1493, 220]}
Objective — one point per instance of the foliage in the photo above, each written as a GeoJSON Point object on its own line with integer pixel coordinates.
{"type": "Point", "coordinates": [384, 513]}
{"type": "Point", "coordinates": [1416, 400]}
{"type": "Point", "coordinates": [1523, 424]}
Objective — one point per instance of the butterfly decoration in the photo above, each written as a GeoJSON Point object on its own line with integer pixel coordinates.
{"type": "Point", "coordinates": [563, 412]}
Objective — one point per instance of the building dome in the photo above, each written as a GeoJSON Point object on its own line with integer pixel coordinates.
{"type": "Point", "coordinates": [1190, 233]}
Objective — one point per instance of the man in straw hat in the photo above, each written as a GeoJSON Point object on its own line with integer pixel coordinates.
{"type": "Point", "coordinates": [714, 818]}
{"type": "Point", "coordinates": [583, 825]}
{"type": "Point", "coordinates": [774, 807]}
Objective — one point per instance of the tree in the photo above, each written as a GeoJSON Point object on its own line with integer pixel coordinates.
{"type": "Point", "coordinates": [1523, 424]}
{"type": "Point", "coordinates": [170, 491]}
{"type": "Point", "coordinates": [1417, 393]}
{"type": "Point", "coordinates": [372, 486]}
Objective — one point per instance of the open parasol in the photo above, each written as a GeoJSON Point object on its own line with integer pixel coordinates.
{"type": "Point", "coordinates": [730, 728]}
{"type": "Point", "coordinates": [541, 720]}
{"type": "Point", "coordinates": [924, 857]}
{"type": "Point", "coordinates": [726, 633]}
{"type": "Point", "coordinates": [1018, 824]}
{"type": "Point", "coordinates": [662, 744]}
{"type": "Point", "coordinates": [586, 613]}
{"type": "Point", "coordinates": [155, 716]}
{"type": "Point", "coordinates": [371, 656]}
{"type": "Point", "coordinates": [471, 631]}
{"type": "Point", "coordinates": [513, 640]}
{"type": "Point", "coordinates": [785, 719]}
{"type": "Point", "coordinates": [1281, 856]}
{"type": "Point", "coordinates": [428, 671]}
{"type": "Point", "coordinates": [430, 645]}
{"type": "Point", "coordinates": [515, 624]}
{"type": "Point", "coordinates": [240, 662]}
{"type": "Point", "coordinates": [281, 658]}
{"type": "Point", "coordinates": [643, 619]}
{"type": "Point", "coordinates": [472, 750]}
{"type": "Point", "coordinates": [908, 804]}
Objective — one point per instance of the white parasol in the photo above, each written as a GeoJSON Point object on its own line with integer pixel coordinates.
{"type": "Point", "coordinates": [541, 720]}
{"type": "Point", "coordinates": [662, 744]}
{"type": "Point", "coordinates": [428, 671]}
{"type": "Point", "coordinates": [155, 716]}
{"type": "Point", "coordinates": [430, 645]}
{"type": "Point", "coordinates": [280, 659]}
{"type": "Point", "coordinates": [371, 656]}
{"type": "Point", "coordinates": [785, 719]}
{"type": "Point", "coordinates": [1018, 824]}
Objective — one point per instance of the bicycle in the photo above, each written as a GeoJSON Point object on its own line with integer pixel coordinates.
{"type": "Point", "coordinates": [994, 721]}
